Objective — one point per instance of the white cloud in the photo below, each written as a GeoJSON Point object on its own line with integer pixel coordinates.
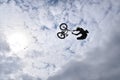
{"type": "Point", "coordinates": [102, 63]}
{"type": "Point", "coordinates": [46, 54]}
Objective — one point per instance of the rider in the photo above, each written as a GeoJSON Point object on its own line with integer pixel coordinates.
{"type": "Point", "coordinates": [82, 32]}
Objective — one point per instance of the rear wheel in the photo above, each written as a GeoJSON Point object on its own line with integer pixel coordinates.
{"type": "Point", "coordinates": [61, 35]}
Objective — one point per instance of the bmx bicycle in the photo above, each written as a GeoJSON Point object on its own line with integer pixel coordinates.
{"type": "Point", "coordinates": [64, 33]}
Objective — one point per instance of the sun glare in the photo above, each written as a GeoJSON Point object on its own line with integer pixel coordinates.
{"type": "Point", "coordinates": [18, 41]}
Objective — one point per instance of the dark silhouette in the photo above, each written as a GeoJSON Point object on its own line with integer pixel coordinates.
{"type": "Point", "coordinates": [82, 32]}
{"type": "Point", "coordinates": [64, 32]}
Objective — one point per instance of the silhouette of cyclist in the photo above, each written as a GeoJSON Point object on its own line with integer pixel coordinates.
{"type": "Point", "coordinates": [82, 32]}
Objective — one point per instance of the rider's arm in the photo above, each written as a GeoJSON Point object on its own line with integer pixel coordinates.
{"type": "Point", "coordinates": [75, 33]}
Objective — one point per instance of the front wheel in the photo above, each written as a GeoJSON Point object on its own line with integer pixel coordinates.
{"type": "Point", "coordinates": [63, 26]}
{"type": "Point", "coordinates": [61, 35]}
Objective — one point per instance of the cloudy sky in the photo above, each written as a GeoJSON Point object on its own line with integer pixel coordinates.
{"type": "Point", "coordinates": [31, 50]}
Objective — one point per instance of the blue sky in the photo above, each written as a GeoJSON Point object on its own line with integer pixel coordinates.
{"type": "Point", "coordinates": [31, 50]}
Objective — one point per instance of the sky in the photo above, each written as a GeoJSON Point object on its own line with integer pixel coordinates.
{"type": "Point", "coordinates": [31, 50]}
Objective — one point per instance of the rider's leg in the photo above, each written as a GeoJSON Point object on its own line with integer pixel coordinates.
{"type": "Point", "coordinates": [79, 38]}
{"type": "Point", "coordinates": [82, 37]}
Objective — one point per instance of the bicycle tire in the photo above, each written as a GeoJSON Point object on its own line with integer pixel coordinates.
{"type": "Point", "coordinates": [61, 35]}
{"type": "Point", "coordinates": [63, 26]}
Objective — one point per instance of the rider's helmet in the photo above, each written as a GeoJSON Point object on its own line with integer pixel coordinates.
{"type": "Point", "coordinates": [78, 28]}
